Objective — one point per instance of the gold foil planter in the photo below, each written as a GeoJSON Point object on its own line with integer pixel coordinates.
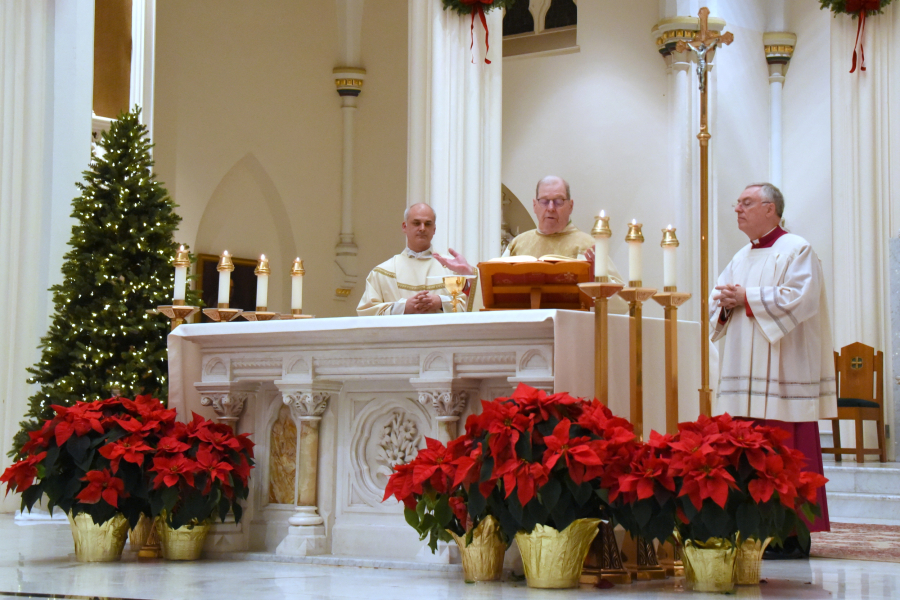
{"type": "Point", "coordinates": [137, 537]}
{"type": "Point", "coordinates": [709, 566]}
{"type": "Point", "coordinates": [749, 560]}
{"type": "Point", "coordinates": [98, 543]}
{"type": "Point", "coordinates": [554, 559]}
{"type": "Point", "coordinates": [482, 560]}
{"type": "Point", "coordinates": [184, 543]}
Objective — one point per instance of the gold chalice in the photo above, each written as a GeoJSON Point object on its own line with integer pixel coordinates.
{"type": "Point", "coordinates": [455, 284]}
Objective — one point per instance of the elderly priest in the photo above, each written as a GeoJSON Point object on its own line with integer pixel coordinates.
{"type": "Point", "coordinates": [407, 283]}
{"type": "Point", "coordinates": [555, 234]}
{"type": "Point", "coordinates": [770, 310]}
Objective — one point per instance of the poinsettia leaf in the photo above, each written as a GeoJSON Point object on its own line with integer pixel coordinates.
{"type": "Point", "coordinates": [803, 535]}
{"type": "Point", "coordinates": [50, 460]}
{"type": "Point", "coordinates": [536, 512]}
{"type": "Point", "coordinates": [87, 460]}
{"type": "Point", "coordinates": [523, 447]}
{"type": "Point", "coordinates": [747, 520]}
{"type": "Point", "coordinates": [442, 512]}
{"type": "Point", "coordinates": [412, 518]}
{"type": "Point", "coordinates": [642, 512]}
{"type": "Point", "coordinates": [515, 508]}
{"type": "Point", "coordinates": [30, 496]}
{"type": "Point", "coordinates": [477, 502]}
{"type": "Point", "coordinates": [224, 506]}
{"type": "Point", "coordinates": [420, 509]}
{"type": "Point", "coordinates": [77, 445]}
{"type": "Point", "coordinates": [716, 520]}
{"type": "Point", "coordinates": [73, 486]}
{"type": "Point", "coordinates": [238, 512]}
{"type": "Point", "coordinates": [487, 467]}
{"type": "Point", "coordinates": [549, 494]}
{"type": "Point", "coordinates": [582, 493]}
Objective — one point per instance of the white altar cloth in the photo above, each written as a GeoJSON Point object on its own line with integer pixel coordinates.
{"type": "Point", "coordinates": [383, 372]}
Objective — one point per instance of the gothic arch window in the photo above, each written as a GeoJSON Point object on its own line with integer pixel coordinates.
{"type": "Point", "coordinates": [540, 27]}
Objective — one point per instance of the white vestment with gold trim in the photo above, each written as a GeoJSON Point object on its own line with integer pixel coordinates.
{"type": "Point", "coordinates": [779, 363]}
{"type": "Point", "coordinates": [403, 276]}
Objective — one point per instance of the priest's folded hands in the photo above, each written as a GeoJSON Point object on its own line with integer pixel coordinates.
{"type": "Point", "coordinates": [730, 295]}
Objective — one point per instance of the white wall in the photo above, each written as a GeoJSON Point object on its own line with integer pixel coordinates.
{"type": "Point", "coordinates": [248, 133]}
{"type": "Point", "coordinates": [598, 118]}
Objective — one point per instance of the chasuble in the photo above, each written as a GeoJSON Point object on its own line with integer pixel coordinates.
{"type": "Point", "coordinates": [777, 360]}
{"type": "Point", "coordinates": [400, 277]}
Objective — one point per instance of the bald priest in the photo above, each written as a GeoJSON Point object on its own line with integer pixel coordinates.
{"type": "Point", "coordinates": [408, 282]}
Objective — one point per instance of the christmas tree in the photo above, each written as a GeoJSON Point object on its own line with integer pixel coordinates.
{"type": "Point", "coordinates": [102, 341]}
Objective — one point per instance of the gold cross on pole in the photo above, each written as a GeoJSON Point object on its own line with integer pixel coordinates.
{"type": "Point", "coordinates": [704, 42]}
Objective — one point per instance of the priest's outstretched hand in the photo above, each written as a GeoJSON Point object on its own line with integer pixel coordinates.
{"type": "Point", "coordinates": [457, 264]}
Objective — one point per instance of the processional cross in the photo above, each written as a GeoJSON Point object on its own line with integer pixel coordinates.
{"type": "Point", "coordinates": [702, 45]}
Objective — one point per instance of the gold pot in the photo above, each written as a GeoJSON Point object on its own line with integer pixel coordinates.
{"type": "Point", "coordinates": [482, 559]}
{"type": "Point", "coordinates": [709, 566]}
{"type": "Point", "coordinates": [137, 537]}
{"type": "Point", "coordinates": [749, 560]}
{"type": "Point", "coordinates": [98, 543]}
{"type": "Point", "coordinates": [553, 559]}
{"type": "Point", "coordinates": [184, 543]}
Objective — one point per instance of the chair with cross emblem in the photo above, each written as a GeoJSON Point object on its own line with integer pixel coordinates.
{"type": "Point", "coordinates": [859, 371]}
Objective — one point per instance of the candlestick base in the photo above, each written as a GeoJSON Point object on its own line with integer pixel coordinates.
{"type": "Point", "coordinates": [258, 315]}
{"type": "Point", "coordinates": [600, 289]}
{"type": "Point", "coordinates": [222, 315]}
{"type": "Point", "coordinates": [286, 317]}
{"type": "Point", "coordinates": [637, 294]}
{"type": "Point", "coordinates": [177, 314]}
{"type": "Point", "coordinates": [671, 298]}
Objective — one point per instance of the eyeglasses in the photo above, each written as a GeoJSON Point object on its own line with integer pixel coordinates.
{"type": "Point", "coordinates": [748, 203]}
{"type": "Point", "coordinates": [557, 202]}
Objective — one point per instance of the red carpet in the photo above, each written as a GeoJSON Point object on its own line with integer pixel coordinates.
{"type": "Point", "coordinates": [858, 542]}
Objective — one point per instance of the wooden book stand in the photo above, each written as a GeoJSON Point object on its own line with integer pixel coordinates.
{"type": "Point", "coordinates": [534, 284]}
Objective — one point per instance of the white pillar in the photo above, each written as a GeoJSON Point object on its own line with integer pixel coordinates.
{"type": "Point", "coordinates": [348, 78]}
{"type": "Point", "coordinates": [778, 47]}
{"type": "Point", "coordinates": [143, 38]}
{"type": "Point", "coordinates": [45, 129]}
{"type": "Point", "coordinates": [454, 132]}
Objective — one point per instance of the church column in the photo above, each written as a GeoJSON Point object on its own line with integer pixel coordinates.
{"type": "Point", "coordinates": [227, 400]}
{"type": "Point", "coordinates": [778, 47]}
{"type": "Point", "coordinates": [348, 78]}
{"type": "Point", "coordinates": [143, 38]}
{"type": "Point", "coordinates": [448, 399]}
{"type": "Point", "coordinates": [308, 402]}
{"type": "Point", "coordinates": [454, 133]}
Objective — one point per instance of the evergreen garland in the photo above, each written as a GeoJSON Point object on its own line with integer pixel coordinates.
{"type": "Point", "coordinates": [464, 7]}
{"type": "Point", "coordinates": [840, 7]}
{"type": "Point", "coordinates": [119, 265]}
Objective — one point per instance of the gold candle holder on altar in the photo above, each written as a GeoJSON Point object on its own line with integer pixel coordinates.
{"type": "Point", "coordinates": [601, 291]}
{"type": "Point", "coordinates": [222, 313]}
{"type": "Point", "coordinates": [262, 272]}
{"type": "Point", "coordinates": [297, 273]}
{"type": "Point", "coordinates": [178, 312]}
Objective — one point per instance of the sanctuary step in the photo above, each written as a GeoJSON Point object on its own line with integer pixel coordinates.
{"type": "Point", "coordinates": [863, 493]}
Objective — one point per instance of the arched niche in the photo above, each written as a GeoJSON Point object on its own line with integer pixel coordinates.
{"type": "Point", "coordinates": [516, 215]}
{"type": "Point", "coordinates": [247, 216]}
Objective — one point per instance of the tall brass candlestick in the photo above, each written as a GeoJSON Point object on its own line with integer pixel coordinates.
{"type": "Point", "coordinates": [262, 272]}
{"type": "Point", "coordinates": [704, 45]}
{"type": "Point", "coordinates": [222, 313]}
{"type": "Point", "coordinates": [297, 273]}
{"type": "Point", "coordinates": [670, 299]}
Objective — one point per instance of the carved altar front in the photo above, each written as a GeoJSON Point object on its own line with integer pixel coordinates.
{"type": "Point", "coordinates": [333, 404]}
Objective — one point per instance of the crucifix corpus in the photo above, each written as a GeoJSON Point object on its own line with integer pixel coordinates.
{"type": "Point", "coordinates": [703, 45]}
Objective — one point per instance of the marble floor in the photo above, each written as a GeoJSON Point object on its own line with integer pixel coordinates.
{"type": "Point", "coordinates": [36, 561]}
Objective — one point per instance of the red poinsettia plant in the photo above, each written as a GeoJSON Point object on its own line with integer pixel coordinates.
{"type": "Point", "coordinates": [92, 458]}
{"type": "Point", "coordinates": [715, 478]}
{"type": "Point", "coordinates": [200, 470]}
{"type": "Point", "coordinates": [533, 458]}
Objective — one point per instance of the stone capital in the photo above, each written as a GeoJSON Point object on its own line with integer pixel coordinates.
{"type": "Point", "coordinates": [308, 401]}
{"type": "Point", "coordinates": [227, 401]}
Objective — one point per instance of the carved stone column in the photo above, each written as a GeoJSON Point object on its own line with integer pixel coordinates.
{"type": "Point", "coordinates": [448, 405]}
{"type": "Point", "coordinates": [308, 402]}
{"type": "Point", "coordinates": [227, 401]}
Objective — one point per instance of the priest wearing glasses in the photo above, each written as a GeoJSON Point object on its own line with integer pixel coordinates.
{"type": "Point", "coordinates": [555, 234]}
{"type": "Point", "coordinates": [769, 309]}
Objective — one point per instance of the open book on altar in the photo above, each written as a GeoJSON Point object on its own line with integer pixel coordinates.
{"type": "Point", "coordinates": [523, 282]}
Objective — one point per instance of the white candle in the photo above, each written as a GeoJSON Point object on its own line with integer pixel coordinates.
{"type": "Point", "coordinates": [297, 284]}
{"type": "Point", "coordinates": [262, 283]}
{"type": "Point", "coordinates": [634, 239]}
{"type": "Point", "coordinates": [181, 265]}
{"type": "Point", "coordinates": [670, 265]}
{"type": "Point", "coordinates": [225, 267]}
{"type": "Point", "coordinates": [601, 246]}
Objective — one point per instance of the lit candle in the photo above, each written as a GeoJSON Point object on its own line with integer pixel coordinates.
{"type": "Point", "coordinates": [601, 233]}
{"type": "Point", "coordinates": [225, 268]}
{"type": "Point", "coordinates": [182, 262]}
{"type": "Point", "coordinates": [297, 273]}
{"type": "Point", "coordinates": [634, 239]}
{"type": "Point", "coordinates": [262, 283]}
{"type": "Point", "coordinates": [669, 243]}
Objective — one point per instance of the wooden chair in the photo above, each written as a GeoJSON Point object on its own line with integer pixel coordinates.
{"type": "Point", "coordinates": [859, 373]}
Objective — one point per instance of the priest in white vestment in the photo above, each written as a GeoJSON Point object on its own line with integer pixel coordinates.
{"type": "Point", "coordinates": [407, 283]}
{"type": "Point", "coordinates": [555, 235]}
{"type": "Point", "coordinates": [769, 309]}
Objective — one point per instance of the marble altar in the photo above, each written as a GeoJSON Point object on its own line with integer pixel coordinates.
{"type": "Point", "coordinates": [363, 392]}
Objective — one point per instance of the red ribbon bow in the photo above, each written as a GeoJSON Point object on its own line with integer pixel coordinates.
{"type": "Point", "coordinates": [861, 7]}
{"type": "Point", "coordinates": [477, 8]}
